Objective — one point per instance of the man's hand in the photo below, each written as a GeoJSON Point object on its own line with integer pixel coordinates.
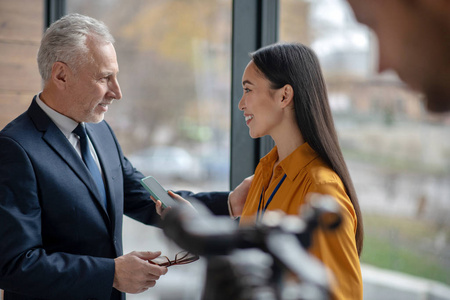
{"type": "Point", "coordinates": [238, 196]}
{"type": "Point", "coordinates": [134, 274]}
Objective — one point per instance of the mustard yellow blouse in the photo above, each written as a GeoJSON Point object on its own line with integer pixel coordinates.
{"type": "Point", "coordinates": [307, 173]}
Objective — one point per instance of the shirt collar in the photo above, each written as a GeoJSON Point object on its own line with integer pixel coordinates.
{"type": "Point", "coordinates": [293, 163]}
{"type": "Point", "coordinates": [298, 160]}
{"type": "Point", "coordinates": [65, 124]}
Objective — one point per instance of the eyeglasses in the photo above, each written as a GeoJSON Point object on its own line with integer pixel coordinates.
{"type": "Point", "coordinates": [181, 258]}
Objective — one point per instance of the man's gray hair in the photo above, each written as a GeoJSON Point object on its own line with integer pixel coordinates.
{"type": "Point", "coordinates": [65, 41]}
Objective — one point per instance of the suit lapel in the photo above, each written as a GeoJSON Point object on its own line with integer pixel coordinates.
{"type": "Point", "coordinates": [59, 143]}
{"type": "Point", "coordinates": [103, 152]}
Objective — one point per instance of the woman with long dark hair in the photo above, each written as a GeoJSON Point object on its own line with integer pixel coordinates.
{"type": "Point", "coordinates": [285, 97]}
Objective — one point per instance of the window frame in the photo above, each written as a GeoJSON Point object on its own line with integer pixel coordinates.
{"type": "Point", "coordinates": [255, 24]}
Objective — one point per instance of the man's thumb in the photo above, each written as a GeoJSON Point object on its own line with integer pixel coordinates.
{"type": "Point", "coordinates": [148, 255]}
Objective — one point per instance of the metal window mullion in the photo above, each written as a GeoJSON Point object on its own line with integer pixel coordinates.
{"type": "Point", "coordinates": [255, 24]}
{"type": "Point", "coordinates": [54, 10]}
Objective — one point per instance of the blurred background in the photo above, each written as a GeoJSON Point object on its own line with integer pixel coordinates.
{"type": "Point", "coordinates": [174, 120]}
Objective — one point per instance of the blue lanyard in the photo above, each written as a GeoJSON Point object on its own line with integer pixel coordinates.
{"type": "Point", "coordinates": [270, 198]}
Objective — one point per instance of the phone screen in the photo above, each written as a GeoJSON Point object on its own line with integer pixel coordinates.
{"type": "Point", "coordinates": [157, 191]}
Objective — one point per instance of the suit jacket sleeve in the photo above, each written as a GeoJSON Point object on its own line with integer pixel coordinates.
{"type": "Point", "coordinates": [139, 206]}
{"type": "Point", "coordinates": [25, 266]}
{"type": "Point", "coordinates": [137, 202]}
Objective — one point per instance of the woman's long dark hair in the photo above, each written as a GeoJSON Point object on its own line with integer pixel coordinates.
{"type": "Point", "coordinates": [298, 66]}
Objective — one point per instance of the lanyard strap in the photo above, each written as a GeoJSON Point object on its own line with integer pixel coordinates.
{"type": "Point", "coordinates": [270, 198]}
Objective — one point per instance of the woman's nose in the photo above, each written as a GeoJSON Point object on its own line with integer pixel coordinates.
{"type": "Point", "coordinates": [241, 105]}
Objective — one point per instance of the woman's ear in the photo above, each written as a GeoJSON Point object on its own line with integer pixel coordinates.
{"type": "Point", "coordinates": [287, 94]}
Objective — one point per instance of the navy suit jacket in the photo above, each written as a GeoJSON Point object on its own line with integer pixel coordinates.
{"type": "Point", "coordinates": [57, 240]}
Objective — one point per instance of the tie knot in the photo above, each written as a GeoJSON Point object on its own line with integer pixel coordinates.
{"type": "Point", "coordinates": [80, 130]}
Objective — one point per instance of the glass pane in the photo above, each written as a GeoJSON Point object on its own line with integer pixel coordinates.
{"type": "Point", "coordinates": [394, 149]}
{"type": "Point", "coordinates": [173, 121]}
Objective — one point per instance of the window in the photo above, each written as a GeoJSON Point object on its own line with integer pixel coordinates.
{"type": "Point", "coordinates": [174, 60]}
{"type": "Point", "coordinates": [173, 121]}
{"type": "Point", "coordinates": [394, 149]}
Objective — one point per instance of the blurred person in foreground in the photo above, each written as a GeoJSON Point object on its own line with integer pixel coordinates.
{"type": "Point", "coordinates": [413, 40]}
{"type": "Point", "coordinates": [285, 97]}
{"type": "Point", "coordinates": [63, 192]}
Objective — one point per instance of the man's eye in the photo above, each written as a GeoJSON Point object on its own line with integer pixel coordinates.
{"type": "Point", "coordinates": [246, 90]}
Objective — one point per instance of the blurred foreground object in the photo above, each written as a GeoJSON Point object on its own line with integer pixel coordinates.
{"type": "Point", "coordinates": [258, 262]}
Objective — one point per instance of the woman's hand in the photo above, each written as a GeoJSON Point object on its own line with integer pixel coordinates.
{"type": "Point", "coordinates": [162, 211]}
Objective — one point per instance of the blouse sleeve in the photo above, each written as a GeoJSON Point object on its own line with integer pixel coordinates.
{"type": "Point", "coordinates": [337, 248]}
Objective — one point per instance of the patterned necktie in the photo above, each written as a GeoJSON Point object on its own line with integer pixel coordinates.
{"type": "Point", "coordinates": [89, 161]}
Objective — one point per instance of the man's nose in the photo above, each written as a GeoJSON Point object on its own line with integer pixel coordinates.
{"type": "Point", "coordinates": [115, 89]}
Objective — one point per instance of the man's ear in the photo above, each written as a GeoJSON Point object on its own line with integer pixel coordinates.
{"type": "Point", "coordinates": [60, 74]}
{"type": "Point", "coordinates": [287, 95]}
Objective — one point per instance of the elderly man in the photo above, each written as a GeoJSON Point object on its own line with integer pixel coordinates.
{"type": "Point", "coordinates": [65, 183]}
{"type": "Point", "coordinates": [414, 40]}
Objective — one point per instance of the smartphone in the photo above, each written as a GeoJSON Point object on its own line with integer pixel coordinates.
{"type": "Point", "coordinates": [157, 191]}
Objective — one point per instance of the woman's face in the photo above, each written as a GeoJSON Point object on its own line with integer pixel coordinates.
{"type": "Point", "coordinates": [259, 103]}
